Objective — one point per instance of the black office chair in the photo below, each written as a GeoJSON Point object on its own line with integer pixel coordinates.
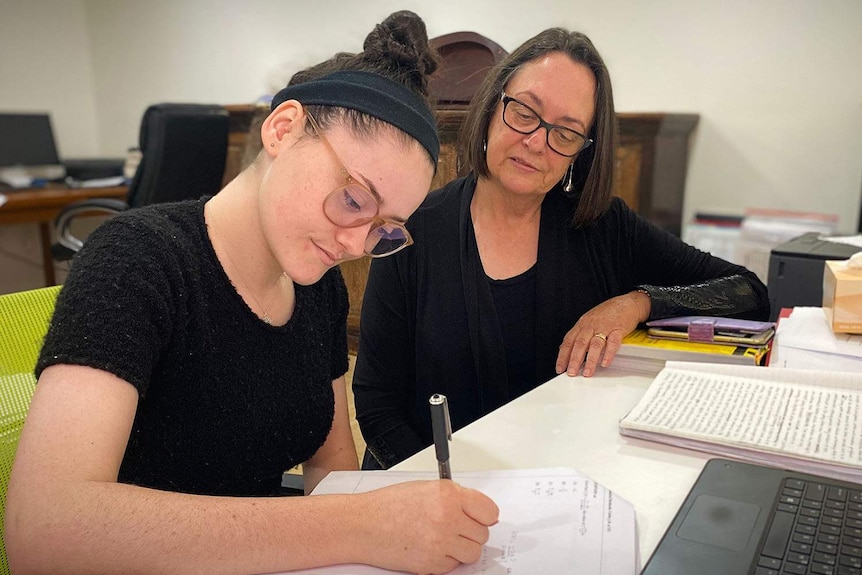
{"type": "Point", "coordinates": [183, 151]}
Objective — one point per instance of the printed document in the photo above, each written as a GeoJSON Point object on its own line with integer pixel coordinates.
{"type": "Point", "coordinates": [551, 521]}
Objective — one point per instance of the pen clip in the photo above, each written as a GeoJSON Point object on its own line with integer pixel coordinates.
{"type": "Point", "coordinates": [442, 431]}
{"type": "Point", "coordinates": [440, 399]}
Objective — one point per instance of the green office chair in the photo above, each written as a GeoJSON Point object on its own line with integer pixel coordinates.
{"type": "Point", "coordinates": [24, 318]}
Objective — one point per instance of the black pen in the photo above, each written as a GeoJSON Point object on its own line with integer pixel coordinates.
{"type": "Point", "coordinates": [442, 429]}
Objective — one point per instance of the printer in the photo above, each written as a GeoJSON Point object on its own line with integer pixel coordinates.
{"type": "Point", "coordinates": [796, 270]}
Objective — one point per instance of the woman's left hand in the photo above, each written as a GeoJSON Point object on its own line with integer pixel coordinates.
{"type": "Point", "coordinates": [597, 336]}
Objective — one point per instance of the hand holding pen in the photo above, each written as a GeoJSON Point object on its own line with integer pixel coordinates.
{"type": "Point", "coordinates": [426, 526]}
{"type": "Point", "coordinates": [439, 524]}
{"type": "Point", "coordinates": [430, 526]}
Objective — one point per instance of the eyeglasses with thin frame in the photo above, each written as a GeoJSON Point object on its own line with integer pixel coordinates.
{"type": "Point", "coordinates": [353, 204]}
{"type": "Point", "coordinates": [525, 120]}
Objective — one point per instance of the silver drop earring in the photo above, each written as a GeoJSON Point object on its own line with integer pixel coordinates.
{"type": "Point", "coordinates": [568, 186]}
{"type": "Point", "coordinates": [485, 145]}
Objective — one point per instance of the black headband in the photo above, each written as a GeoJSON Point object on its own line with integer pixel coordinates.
{"type": "Point", "coordinates": [370, 94]}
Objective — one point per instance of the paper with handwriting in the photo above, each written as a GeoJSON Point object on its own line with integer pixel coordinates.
{"type": "Point", "coordinates": [551, 521]}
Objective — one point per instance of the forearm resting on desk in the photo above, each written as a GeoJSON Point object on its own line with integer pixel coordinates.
{"type": "Point", "coordinates": [97, 527]}
{"type": "Point", "coordinates": [734, 296]}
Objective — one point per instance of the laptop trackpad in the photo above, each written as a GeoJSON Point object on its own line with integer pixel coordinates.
{"type": "Point", "coordinates": [719, 521]}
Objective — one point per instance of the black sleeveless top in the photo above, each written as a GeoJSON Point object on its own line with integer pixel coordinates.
{"type": "Point", "coordinates": [515, 300]}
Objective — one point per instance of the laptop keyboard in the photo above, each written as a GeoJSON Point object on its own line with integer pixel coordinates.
{"type": "Point", "coordinates": [816, 529]}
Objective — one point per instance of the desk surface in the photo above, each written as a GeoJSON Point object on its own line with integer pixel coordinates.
{"type": "Point", "coordinates": [43, 204]}
{"type": "Point", "coordinates": [572, 422]}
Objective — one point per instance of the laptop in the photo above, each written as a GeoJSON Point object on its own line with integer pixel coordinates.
{"type": "Point", "coordinates": [27, 150]}
{"type": "Point", "coordinates": [747, 519]}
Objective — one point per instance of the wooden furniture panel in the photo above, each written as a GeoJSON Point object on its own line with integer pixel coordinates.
{"type": "Point", "coordinates": [653, 151]}
{"type": "Point", "coordinates": [243, 138]}
{"type": "Point", "coordinates": [465, 59]}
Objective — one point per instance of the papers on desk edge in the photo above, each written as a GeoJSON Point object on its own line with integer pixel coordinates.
{"type": "Point", "coordinates": [806, 420]}
{"type": "Point", "coordinates": [551, 521]}
{"type": "Point", "coordinates": [806, 341]}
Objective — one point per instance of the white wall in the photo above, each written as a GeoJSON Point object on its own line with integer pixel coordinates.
{"type": "Point", "coordinates": [46, 65]}
{"type": "Point", "coordinates": [777, 83]}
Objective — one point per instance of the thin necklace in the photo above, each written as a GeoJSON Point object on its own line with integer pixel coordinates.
{"type": "Point", "coordinates": [266, 319]}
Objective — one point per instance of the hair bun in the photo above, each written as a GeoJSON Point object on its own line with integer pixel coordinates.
{"type": "Point", "coordinates": [400, 45]}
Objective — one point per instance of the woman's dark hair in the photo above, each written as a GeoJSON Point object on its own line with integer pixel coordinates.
{"type": "Point", "coordinates": [398, 49]}
{"type": "Point", "coordinates": [593, 169]}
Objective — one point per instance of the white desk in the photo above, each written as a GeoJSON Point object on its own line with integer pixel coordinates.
{"type": "Point", "coordinates": [572, 422]}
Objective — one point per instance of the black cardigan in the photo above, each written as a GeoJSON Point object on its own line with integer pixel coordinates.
{"type": "Point", "coordinates": [429, 325]}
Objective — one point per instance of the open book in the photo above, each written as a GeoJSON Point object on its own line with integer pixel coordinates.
{"type": "Point", "coordinates": [805, 420]}
{"type": "Point", "coordinates": [551, 521]}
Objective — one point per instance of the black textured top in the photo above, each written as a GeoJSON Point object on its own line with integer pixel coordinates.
{"type": "Point", "coordinates": [227, 402]}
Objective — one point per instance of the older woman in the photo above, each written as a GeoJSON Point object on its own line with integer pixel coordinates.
{"type": "Point", "coordinates": [527, 267]}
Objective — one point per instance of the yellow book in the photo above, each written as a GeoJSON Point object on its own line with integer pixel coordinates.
{"type": "Point", "coordinates": [640, 352]}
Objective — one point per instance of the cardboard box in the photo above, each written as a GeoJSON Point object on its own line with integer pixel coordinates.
{"type": "Point", "coordinates": [842, 297]}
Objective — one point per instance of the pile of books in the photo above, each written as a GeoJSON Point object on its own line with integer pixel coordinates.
{"type": "Point", "coordinates": [695, 338]}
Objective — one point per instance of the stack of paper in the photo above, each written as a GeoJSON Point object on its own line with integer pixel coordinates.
{"type": "Point", "coordinates": [551, 521]}
{"type": "Point", "coordinates": [796, 419]}
{"type": "Point", "coordinates": [805, 341]}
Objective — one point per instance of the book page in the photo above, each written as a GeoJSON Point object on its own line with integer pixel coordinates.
{"type": "Point", "coordinates": [808, 377]}
{"type": "Point", "coordinates": [551, 521]}
{"type": "Point", "coordinates": [815, 422]}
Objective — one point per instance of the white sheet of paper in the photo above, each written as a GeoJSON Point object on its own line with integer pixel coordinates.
{"type": "Point", "coordinates": [551, 521]}
{"type": "Point", "coordinates": [849, 240]}
{"type": "Point", "coordinates": [807, 328]}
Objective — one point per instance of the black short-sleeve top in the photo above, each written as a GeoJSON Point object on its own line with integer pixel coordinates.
{"type": "Point", "coordinates": [226, 401]}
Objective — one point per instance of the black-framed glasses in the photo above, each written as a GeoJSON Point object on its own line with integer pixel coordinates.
{"type": "Point", "coordinates": [353, 204]}
{"type": "Point", "coordinates": [525, 120]}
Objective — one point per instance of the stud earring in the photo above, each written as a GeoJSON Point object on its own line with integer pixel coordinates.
{"type": "Point", "coordinates": [568, 186]}
{"type": "Point", "coordinates": [272, 144]}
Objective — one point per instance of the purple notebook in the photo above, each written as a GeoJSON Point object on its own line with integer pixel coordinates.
{"type": "Point", "coordinates": [709, 329]}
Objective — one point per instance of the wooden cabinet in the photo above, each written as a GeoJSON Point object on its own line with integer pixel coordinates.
{"type": "Point", "coordinates": [651, 165]}
{"type": "Point", "coordinates": [243, 138]}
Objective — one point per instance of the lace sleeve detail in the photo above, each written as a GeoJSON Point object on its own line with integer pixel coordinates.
{"type": "Point", "coordinates": [731, 296]}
